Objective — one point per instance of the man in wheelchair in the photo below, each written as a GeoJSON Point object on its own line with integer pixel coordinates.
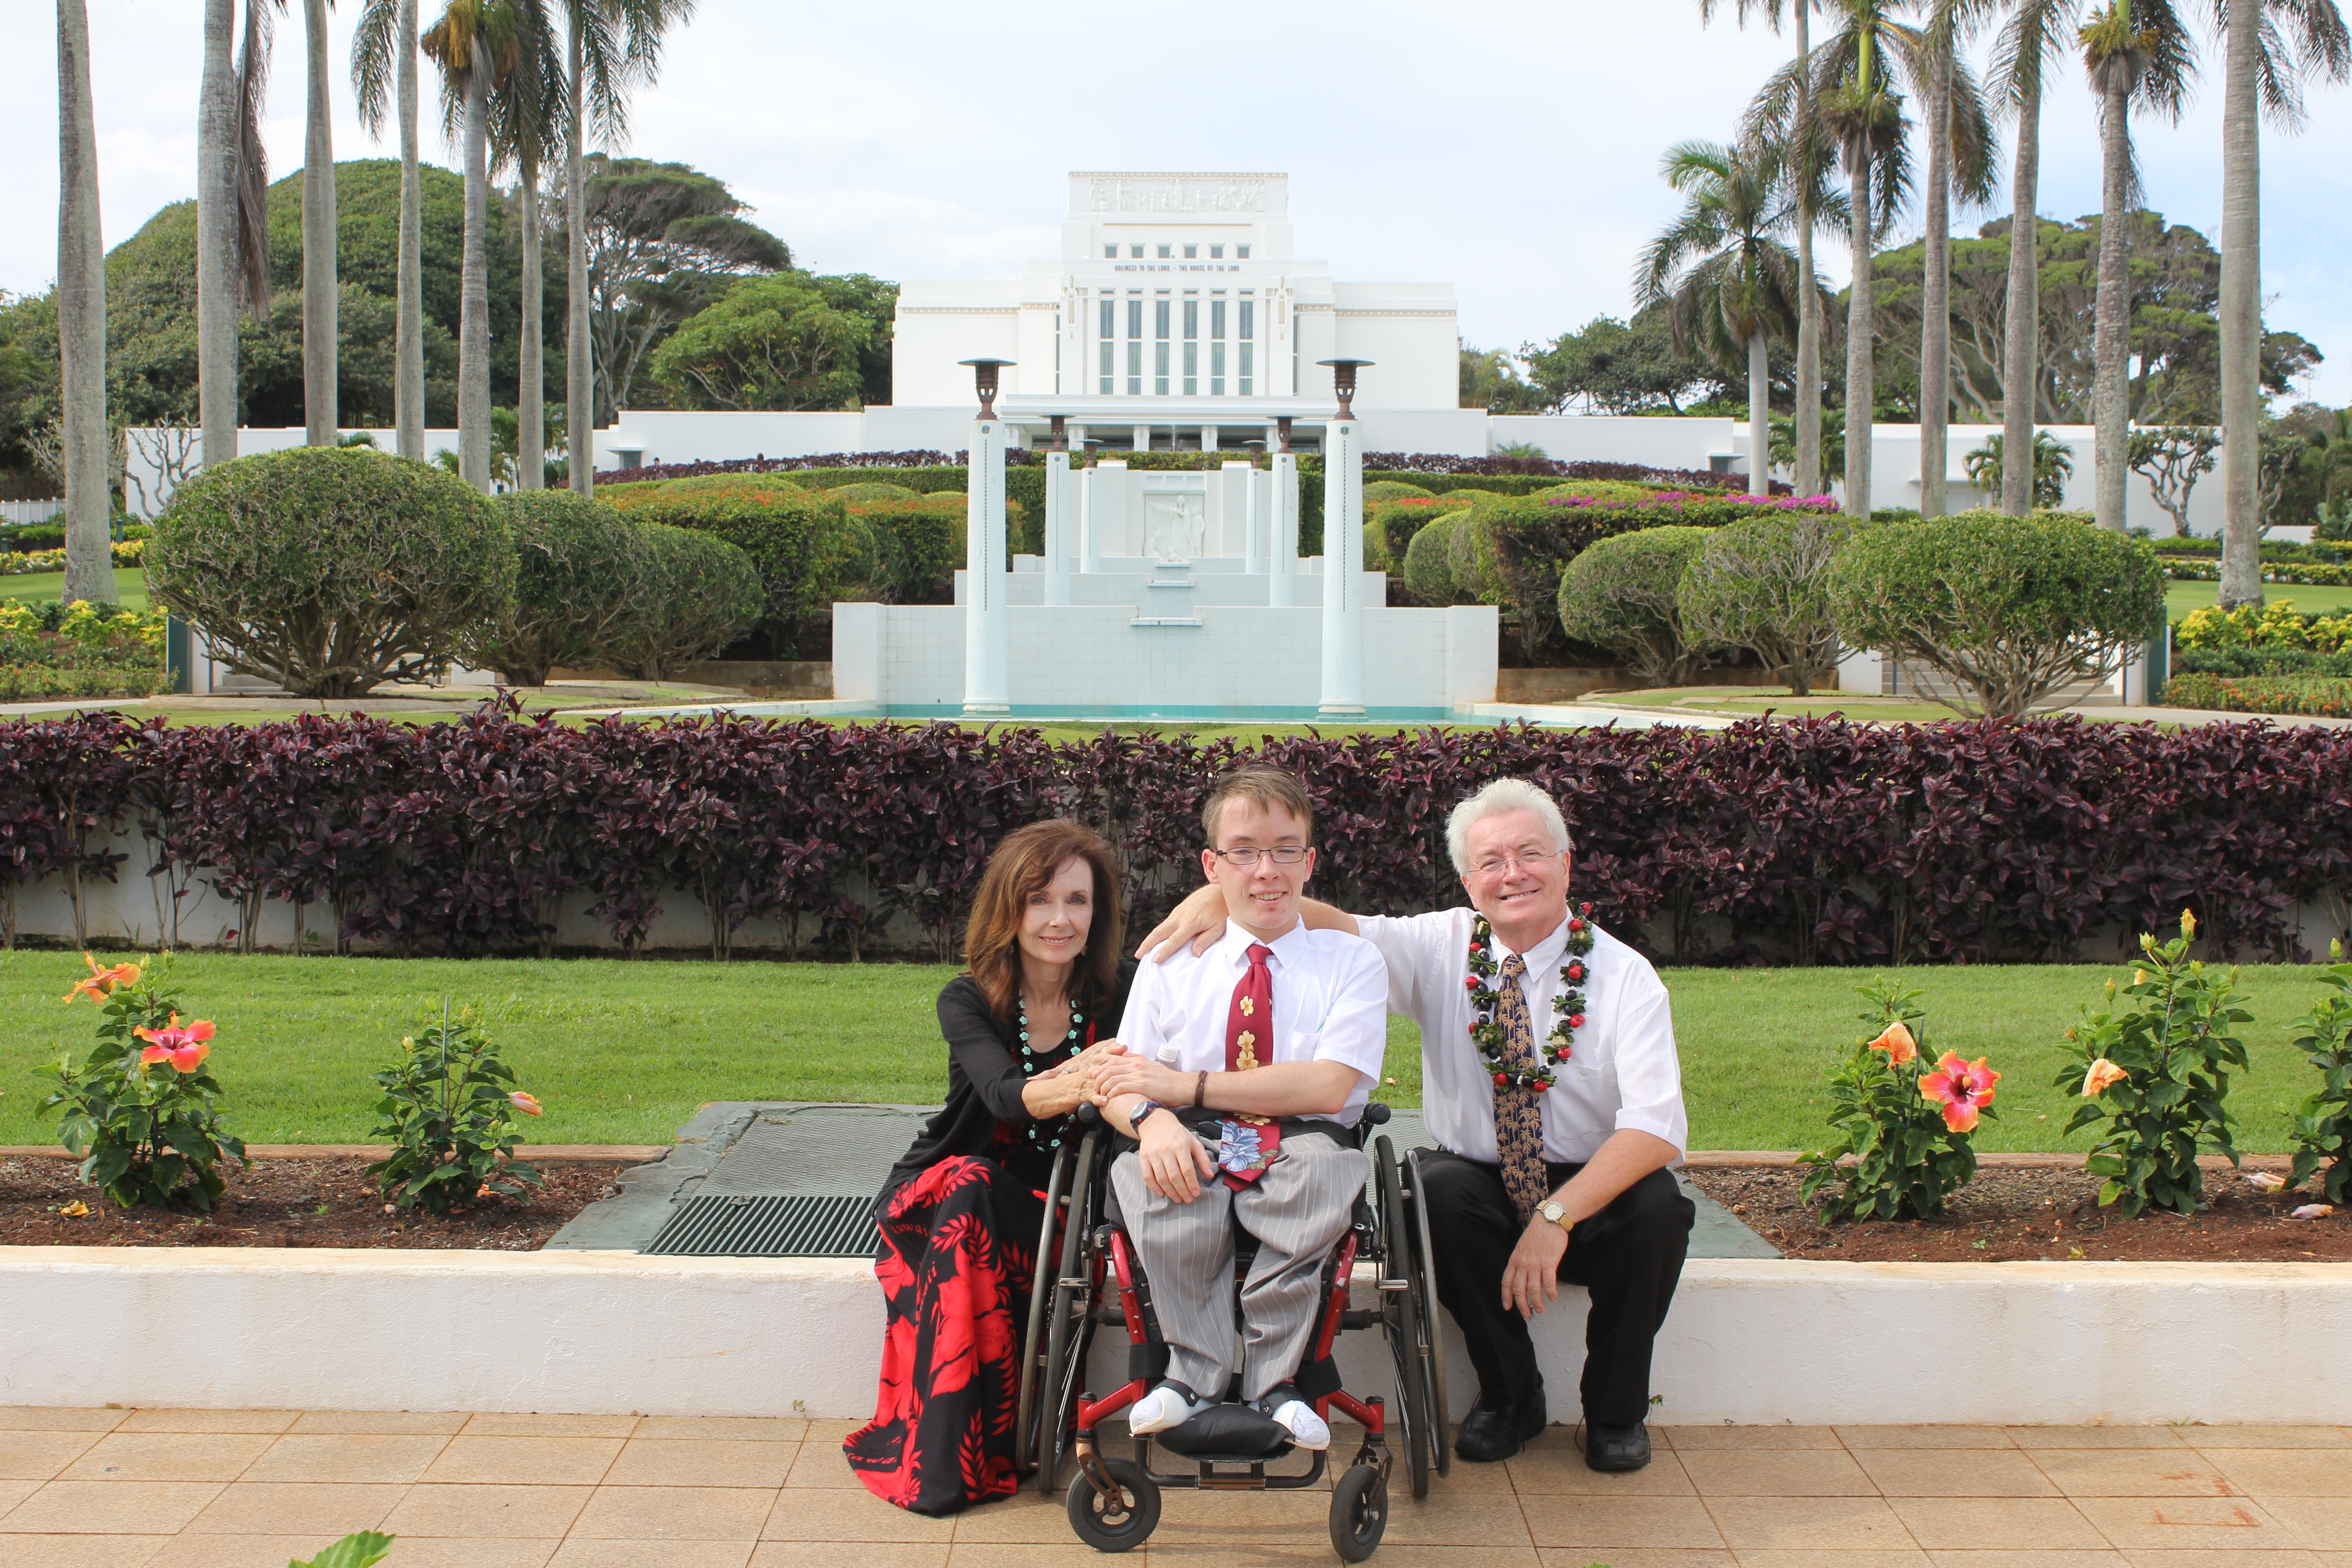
{"type": "Point", "coordinates": [1247, 1067]}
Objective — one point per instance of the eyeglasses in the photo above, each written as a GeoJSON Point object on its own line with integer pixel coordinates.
{"type": "Point", "coordinates": [1530, 858]}
{"type": "Point", "coordinates": [1246, 856]}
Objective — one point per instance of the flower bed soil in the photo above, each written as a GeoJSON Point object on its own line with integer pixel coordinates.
{"type": "Point", "coordinates": [2037, 1213]}
{"type": "Point", "coordinates": [285, 1203]}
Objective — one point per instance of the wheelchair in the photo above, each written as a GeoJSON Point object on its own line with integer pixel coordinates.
{"type": "Point", "coordinates": [1088, 1277]}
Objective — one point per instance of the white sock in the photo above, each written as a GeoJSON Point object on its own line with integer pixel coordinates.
{"type": "Point", "coordinates": [1307, 1429]}
{"type": "Point", "coordinates": [1162, 1408]}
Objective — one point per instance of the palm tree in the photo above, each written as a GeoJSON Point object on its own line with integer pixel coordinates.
{"type": "Point", "coordinates": [216, 236]}
{"type": "Point", "coordinates": [1860, 112]}
{"type": "Point", "coordinates": [252, 169]}
{"type": "Point", "coordinates": [527, 111]}
{"type": "Point", "coordinates": [1723, 272]}
{"type": "Point", "coordinates": [1803, 153]}
{"type": "Point", "coordinates": [2269, 45]}
{"type": "Point", "coordinates": [385, 41]}
{"type": "Point", "coordinates": [321, 340]}
{"type": "Point", "coordinates": [2028, 43]}
{"type": "Point", "coordinates": [1959, 163]}
{"type": "Point", "coordinates": [2133, 48]}
{"type": "Point", "coordinates": [87, 456]}
{"type": "Point", "coordinates": [609, 43]}
{"type": "Point", "coordinates": [474, 43]}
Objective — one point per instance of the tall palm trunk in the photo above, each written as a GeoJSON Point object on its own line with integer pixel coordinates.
{"type": "Point", "coordinates": [1935, 294]}
{"type": "Point", "coordinates": [2020, 347]}
{"type": "Point", "coordinates": [1859, 388]}
{"type": "Point", "coordinates": [1760, 414]}
{"type": "Point", "coordinates": [216, 116]}
{"type": "Point", "coordinates": [2111, 338]}
{"type": "Point", "coordinates": [320, 331]}
{"type": "Point", "coordinates": [408, 330]}
{"type": "Point", "coordinates": [2242, 307]}
{"type": "Point", "coordinates": [474, 279]}
{"type": "Point", "coordinates": [1809, 306]}
{"type": "Point", "coordinates": [578, 360]}
{"type": "Point", "coordinates": [531, 397]}
{"type": "Point", "coordinates": [81, 320]}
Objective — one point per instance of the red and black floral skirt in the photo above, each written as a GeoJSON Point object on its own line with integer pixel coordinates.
{"type": "Point", "coordinates": [958, 1245]}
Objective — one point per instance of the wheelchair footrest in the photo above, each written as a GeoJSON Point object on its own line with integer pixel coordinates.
{"type": "Point", "coordinates": [1228, 1435]}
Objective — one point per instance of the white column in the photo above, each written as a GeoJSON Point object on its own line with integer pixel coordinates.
{"type": "Point", "coordinates": [1140, 439]}
{"type": "Point", "coordinates": [1254, 530]}
{"type": "Point", "coordinates": [1089, 529]}
{"type": "Point", "coordinates": [987, 626]}
{"type": "Point", "coordinates": [1058, 528]}
{"type": "Point", "coordinates": [1282, 583]}
{"type": "Point", "coordinates": [1343, 567]}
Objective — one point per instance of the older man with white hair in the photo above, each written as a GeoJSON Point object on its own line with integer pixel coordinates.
{"type": "Point", "coordinates": [1550, 1079]}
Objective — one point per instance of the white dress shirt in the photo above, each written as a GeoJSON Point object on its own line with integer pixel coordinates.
{"type": "Point", "coordinates": [1330, 1004]}
{"type": "Point", "coordinates": [1621, 1069]}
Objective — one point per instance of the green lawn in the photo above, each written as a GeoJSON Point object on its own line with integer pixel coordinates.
{"type": "Point", "coordinates": [2179, 598]}
{"type": "Point", "coordinates": [130, 581]}
{"type": "Point", "coordinates": [624, 1052]}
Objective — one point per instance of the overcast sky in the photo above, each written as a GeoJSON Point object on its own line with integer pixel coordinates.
{"type": "Point", "coordinates": [1508, 147]}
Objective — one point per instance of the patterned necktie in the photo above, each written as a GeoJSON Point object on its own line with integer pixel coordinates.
{"type": "Point", "coordinates": [1518, 1113]}
{"type": "Point", "coordinates": [1246, 1144]}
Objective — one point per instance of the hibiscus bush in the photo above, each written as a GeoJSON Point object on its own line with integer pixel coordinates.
{"type": "Point", "coordinates": [142, 1111]}
{"type": "Point", "coordinates": [2323, 1123]}
{"type": "Point", "coordinates": [449, 1106]}
{"type": "Point", "coordinates": [2155, 1069]}
{"type": "Point", "coordinates": [1906, 1136]}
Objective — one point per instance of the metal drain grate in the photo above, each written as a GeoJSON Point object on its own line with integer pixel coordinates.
{"type": "Point", "coordinates": [726, 1226]}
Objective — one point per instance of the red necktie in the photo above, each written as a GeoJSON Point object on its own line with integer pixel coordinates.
{"type": "Point", "coordinates": [1247, 1143]}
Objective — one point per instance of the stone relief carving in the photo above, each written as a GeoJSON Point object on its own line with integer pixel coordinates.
{"type": "Point", "coordinates": [1175, 527]}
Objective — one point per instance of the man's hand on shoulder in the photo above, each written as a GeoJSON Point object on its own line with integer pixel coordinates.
{"type": "Point", "coordinates": [1197, 923]}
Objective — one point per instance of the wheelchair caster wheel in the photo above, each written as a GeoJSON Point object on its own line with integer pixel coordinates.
{"type": "Point", "coordinates": [1360, 1512]}
{"type": "Point", "coordinates": [1119, 1524]}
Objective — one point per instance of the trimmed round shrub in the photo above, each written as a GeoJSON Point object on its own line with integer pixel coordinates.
{"type": "Point", "coordinates": [1622, 593]}
{"type": "Point", "coordinates": [2011, 610]}
{"type": "Point", "coordinates": [1599, 490]}
{"type": "Point", "coordinates": [1763, 584]}
{"type": "Point", "coordinates": [872, 490]}
{"type": "Point", "coordinates": [697, 594]}
{"type": "Point", "coordinates": [922, 542]}
{"type": "Point", "coordinates": [806, 550]}
{"type": "Point", "coordinates": [1470, 558]}
{"type": "Point", "coordinates": [332, 569]}
{"type": "Point", "coordinates": [1428, 561]}
{"type": "Point", "coordinates": [579, 572]}
{"type": "Point", "coordinates": [1395, 489]}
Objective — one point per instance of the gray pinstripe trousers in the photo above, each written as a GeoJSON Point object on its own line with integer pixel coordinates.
{"type": "Point", "coordinates": [1298, 1210]}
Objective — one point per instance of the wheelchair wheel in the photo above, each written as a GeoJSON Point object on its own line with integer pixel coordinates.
{"type": "Point", "coordinates": [1123, 1523]}
{"type": "Point", "coordinates": [1424, 1266]}
{"type": "Point", "coordinates": [1028, 1436]}
{"type": "Point", "coordinates": [1070, 1329]}
{"type": "Point", "coordinates": [1401, 1323]}
{"type": "Point", "coordinates": [1360, 1512]}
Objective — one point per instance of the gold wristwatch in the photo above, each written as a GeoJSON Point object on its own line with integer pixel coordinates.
{"type": "Point", "coordinates": [1549, 1208]}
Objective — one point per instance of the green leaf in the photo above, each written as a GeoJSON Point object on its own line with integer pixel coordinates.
{"type": "Point", "coordinates": [357, 1551]}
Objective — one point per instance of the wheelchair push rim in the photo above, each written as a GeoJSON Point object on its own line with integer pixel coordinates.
{"type": "Point", "coordinates": [1424, 1262]}
{"type": "Point", "coordinates": [1400, 1290]}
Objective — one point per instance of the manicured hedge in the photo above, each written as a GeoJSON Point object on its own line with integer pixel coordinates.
{"type": "Point", "coordinates": [806, 548]}
{"type": "Point", "coordinates": [2317, 695]}
{"type": "Point", "coordinates": [1768, 842]}
{"type": "Point", "coordinates": [2194, 569]}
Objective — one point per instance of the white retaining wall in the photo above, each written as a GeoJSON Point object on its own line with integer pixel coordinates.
{"type": "Point", "coordinates": [1747, 1341]}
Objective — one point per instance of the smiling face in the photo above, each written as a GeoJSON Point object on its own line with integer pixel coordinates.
{"type": "Point", "coordinates": [1517, 878]}
{"type": "Point", "coordinates": [1262, 898]}
{"type": "Point", "coordinates": [1056, 918]}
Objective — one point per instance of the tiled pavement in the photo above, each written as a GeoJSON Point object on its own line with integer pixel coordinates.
{"type": "Point", "coordinates": [194, 1488]}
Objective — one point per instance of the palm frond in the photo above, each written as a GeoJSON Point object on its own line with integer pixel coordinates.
{"type": "Point", "coordinates": [375, 48]}
{"type": "Point", "coordinates": [252, 222]}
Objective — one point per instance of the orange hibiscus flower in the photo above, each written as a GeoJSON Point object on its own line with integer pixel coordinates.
{"type": "Point", "coordinates": [1897, 1043]}
{"type": "Point", "coordinates": [184, 1048]}
{"type": "Point", "coordinates": [1962, 1088]}
{"type": "Point", "coordinates": [103, 983]}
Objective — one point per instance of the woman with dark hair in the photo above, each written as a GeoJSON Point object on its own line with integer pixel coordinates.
{"type": "Point", "coordinates": [1025, 1023]}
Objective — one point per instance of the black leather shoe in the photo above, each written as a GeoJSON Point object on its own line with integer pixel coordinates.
{"type": "Point", "coordinates": [1617, 1449]}
{"type": "Point", "coordinates": [1493, 1431]}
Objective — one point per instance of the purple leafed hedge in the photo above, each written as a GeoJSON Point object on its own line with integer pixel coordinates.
{"type": "Point", "coordinates": [1805, 842]}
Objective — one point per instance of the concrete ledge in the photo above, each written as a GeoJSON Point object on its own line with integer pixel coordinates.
{"type": "Point", "coordinates": [1747, 1341]}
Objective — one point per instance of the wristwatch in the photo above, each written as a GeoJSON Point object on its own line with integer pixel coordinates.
{"type": "Point", "coordinates": [1142, 1111]}
{"type": "Point", "coordinates": [1552, 1211]}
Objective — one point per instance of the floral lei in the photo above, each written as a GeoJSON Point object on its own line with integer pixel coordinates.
{"type": "Point", "coordinates": [1570, 1002]}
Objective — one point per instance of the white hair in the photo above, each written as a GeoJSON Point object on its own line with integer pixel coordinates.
{"type": "Point", "coordinates": [1502, 795]}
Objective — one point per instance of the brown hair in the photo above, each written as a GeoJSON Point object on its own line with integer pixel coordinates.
{"type": "Point", "coordinates": [1025, 863]}
{"type": "Point", "coordinates": [1266, 784]}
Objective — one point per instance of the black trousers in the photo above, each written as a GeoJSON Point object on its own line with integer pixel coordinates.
{"type": "Point", "coordinates": [1629, 1256]}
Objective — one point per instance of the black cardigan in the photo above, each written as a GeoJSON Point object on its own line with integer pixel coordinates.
{"type": "Point", "coordinates": [984, 1078]}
